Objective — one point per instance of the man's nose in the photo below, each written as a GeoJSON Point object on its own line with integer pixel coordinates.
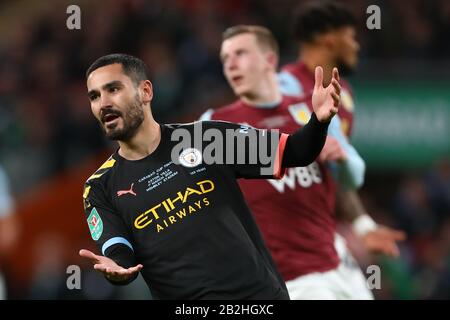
{"type": "Point", "coordinates": [232, 65]}
{"type": "Point", "coordinates": [105, 101]}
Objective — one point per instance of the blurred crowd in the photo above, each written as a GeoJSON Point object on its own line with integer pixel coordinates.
{"type": "Point", "coordinates": [46, 125]}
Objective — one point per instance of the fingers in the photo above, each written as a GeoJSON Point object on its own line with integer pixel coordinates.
{"type": "Point", "coordinates": [334, 110]}
{"type": "Point", "coordinates": [135, 268]}
{"type": "Point", "coordinates": [392, 250]}
{"type": "Point", "coordinates": [336, 98]}
{"type": "Point", "coordinates": [395, 252]}
{"type": "Point", "coordinates": [101, 267]}
{"type": "Point", "coordinates": [318, 77]}
{"type": "Point", "coordinates": [336, 86]}
{"type": "Point", "coordinates": [384, 241]}
{"type": "Point", "coordinates": [110, 271]}
{"type": "Point", "coordinates": [394, 235]}
{"type": "Point", "coordinates": [117, 271]}
{"type": "Point", "coordinates": [398, 235]}
{"type": "Point", "coordinates": [336, 74]}
{"type": "Point", "coordinates": [88, 254]}
{"type": "Point", "coordinates": [386, 247]}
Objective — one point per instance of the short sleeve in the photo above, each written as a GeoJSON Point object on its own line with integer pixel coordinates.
{"type": "Point", "coordinates": [289, 85]}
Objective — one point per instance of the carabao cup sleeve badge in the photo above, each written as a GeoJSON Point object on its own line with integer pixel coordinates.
{"type": "Point", "coordinates": [95, 224]}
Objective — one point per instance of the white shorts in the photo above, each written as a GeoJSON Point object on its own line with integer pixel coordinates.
{"type": "Point", "coordinates": [346, 282]}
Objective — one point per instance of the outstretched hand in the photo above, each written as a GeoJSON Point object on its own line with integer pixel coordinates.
{"type": "Point", "coordinates": [383, 240]}
{"type": "Point", "coordinates": [109, 268]}
{"type": "Point", "coordinates": [325, 101]}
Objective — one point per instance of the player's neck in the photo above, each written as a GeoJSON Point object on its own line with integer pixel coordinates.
{"type": "Point", "coordinates": [267, 93]}
{"type": "Point", "coordinates": [141, 145]}
{"type": "Point", "coordinates": [317, 57]}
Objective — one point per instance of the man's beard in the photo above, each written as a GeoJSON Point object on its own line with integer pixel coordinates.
{"type": "Point", "coordinates": [132, 120]}
{"type": "Point", "coordinates": [345, 69]}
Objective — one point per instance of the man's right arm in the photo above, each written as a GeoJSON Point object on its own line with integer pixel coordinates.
{"type": "Point", "coordinates": [349, 170]}
{"type": "Point", "coordinates": [110, 235]}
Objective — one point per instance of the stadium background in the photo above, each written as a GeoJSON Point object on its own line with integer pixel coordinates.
{"type": "Point", "coordinates": [50, 143]}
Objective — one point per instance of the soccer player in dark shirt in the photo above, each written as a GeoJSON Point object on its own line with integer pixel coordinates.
{"type": "Point", "coordinates": [176, 216]}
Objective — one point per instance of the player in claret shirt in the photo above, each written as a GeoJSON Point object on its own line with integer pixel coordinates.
{"type": "Point", "coordinates": [296, 213]}
{"type": "Point", "coordinates": [326, 35]}
{"type": "Point", "coordinates": [172, 209]}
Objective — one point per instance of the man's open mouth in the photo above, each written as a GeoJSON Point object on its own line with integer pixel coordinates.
{"type": "Point", "coordinates": [237, 79]}
{"type": "Point", "coordinates": [110, 117]}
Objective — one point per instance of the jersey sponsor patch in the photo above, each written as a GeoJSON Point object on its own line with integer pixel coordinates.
{"type": "Point", "coordinates": [347, 100]}
{"type": "Point", "coordinates": [95, 224]}
{"type": "Point", "coordinates": [190, 158]}
{"type": "Point", "coordinates": [300, 112]}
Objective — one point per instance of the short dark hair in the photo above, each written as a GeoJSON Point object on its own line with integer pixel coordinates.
{"type": "Point", "coordinates": [133, 67]}
{"type": "Point", "coordinates": [264, 36]}
{"type": "Point", "coordinates": [317, 17]}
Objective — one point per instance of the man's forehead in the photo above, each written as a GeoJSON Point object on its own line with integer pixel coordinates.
{"type": "Point", "coordinates": [240, 40]}
{"type": "Point", "coordinates": [104, 75]}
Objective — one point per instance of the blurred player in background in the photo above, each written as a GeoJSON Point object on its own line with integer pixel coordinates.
{"type": "Point", "coordinates": [326, 32]}
{"type": "Point", "coordinates": [8, 225]}
{"type": "Point", "coordinates": [295, 214]}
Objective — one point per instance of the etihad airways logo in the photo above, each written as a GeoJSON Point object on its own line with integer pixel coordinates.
{"type": "Point", "coordinates": [172, 210]}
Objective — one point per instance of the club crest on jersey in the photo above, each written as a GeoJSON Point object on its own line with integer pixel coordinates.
{"type": "Point", "coordinates": [190, 157]}
{"type": "Point", "coordinates": [347, 100]}
{"type": "Point", "coordinates": [300, 112]}
{"type": "Point", "coordinates": [95, 224]}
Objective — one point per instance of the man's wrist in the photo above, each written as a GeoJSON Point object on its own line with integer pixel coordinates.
{"type": "Point", "coordinates": [363, 224]}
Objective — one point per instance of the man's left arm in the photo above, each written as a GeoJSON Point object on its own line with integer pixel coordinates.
{"type": "Point", "coordinates": [349, 168]}
{"type": "Point", "coordinates": [376, 237]}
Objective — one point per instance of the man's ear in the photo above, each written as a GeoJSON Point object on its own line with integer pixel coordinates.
{"type": "Point", "coordinates": [272, 59]}
{"type": "Point", "coordinates": [328, 40]}
{"type": "Point", "coordinates": [147, 91]}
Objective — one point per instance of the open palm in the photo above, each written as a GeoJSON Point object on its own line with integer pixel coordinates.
{"type": "Point", "coordinates": [325, 101]}
{"type": "Point", "coordinates": [109, 268]}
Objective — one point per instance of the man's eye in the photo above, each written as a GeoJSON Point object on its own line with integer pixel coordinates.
{"type": "Point", "coordinates": [114, 89]}
{"type": "Point", "coordinates": [93, 98]}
